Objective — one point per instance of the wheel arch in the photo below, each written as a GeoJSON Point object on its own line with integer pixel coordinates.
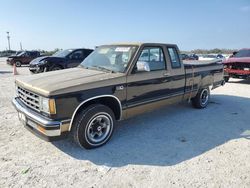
{"type": "Point", "coordinates": [107, 100]}
{"type": "Point", "coordinates": [56, 65]}
{"type": "Point", "coordinates": [18, 60]}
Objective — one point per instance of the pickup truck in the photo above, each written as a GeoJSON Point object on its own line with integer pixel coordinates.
{"type": "Point", "coordinates": [113, 83]}
{"type": "Point", "coordinates": [238, 65]}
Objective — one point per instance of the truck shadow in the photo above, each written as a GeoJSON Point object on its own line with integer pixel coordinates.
{"type": "Point", "coordinates": [240, 81]}
{"type": "Point", "coordinates": [170, 135]}
{"type": "Point", "coordinates": [5, 72]}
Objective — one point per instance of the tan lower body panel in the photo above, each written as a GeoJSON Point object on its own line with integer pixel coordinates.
{"type": "Point", "coordinates": [133, 111]}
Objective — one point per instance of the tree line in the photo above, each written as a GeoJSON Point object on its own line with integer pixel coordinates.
{"type": "Point", "coordinates": [196, 51]}
{"type": "Point", "coordinates": [211, 51]}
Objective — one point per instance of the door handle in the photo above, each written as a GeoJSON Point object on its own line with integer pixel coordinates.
{"type": "Point", "coordinates": [119, 88]}
{"type": "Point", "coordinates": [166, 74]}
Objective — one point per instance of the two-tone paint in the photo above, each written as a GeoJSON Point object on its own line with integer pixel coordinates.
{"type": "Point", "coordinates": [127, 94]}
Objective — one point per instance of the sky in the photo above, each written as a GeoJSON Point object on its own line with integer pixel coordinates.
{"type": "Point", "coordinates": [191, 24]}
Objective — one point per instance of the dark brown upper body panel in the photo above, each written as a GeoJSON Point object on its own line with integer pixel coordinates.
{"type": "Point", "coordinates": [79, 79]}
{"type": "Point", "coordinates": [69, 80]}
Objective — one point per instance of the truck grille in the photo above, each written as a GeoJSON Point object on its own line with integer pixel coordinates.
{"type": "Point", "coordinates": [28, 98]}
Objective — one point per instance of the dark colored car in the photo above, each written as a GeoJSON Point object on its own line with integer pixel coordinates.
{"type": "Point", "coordinates": [220, 56]}
{"type": "Point", "coordinates": [22, 58]}
{"type": "Point", "coordinates": [238, 65]}
{"type": "Point", "coordinates": [189, 57]}
{"type": "Point", "coordinates": [60, 60]}
{"type": "Point", "coordinates": [184, 57]}
{"type": "Point", "coordinates": [194, 56]}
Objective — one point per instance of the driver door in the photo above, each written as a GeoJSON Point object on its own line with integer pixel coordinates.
{"type": "Point", "coordinates": [148, 87]}
{"type": "Point", "coordinates": [75, 58]}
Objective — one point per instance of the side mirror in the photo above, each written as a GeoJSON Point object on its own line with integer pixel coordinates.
{"type": "Point", "coordinates": [142, 66]}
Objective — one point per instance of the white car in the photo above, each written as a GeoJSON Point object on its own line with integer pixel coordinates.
{"type": "Point", "coordinates": [207, 57]}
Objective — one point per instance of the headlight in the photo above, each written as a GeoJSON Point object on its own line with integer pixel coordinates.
{"type": "Point", "coordinates": [47, 105]}
{"type": "Point", "coordinates": [42, 62]}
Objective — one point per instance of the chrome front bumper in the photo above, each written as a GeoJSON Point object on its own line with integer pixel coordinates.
{"type": "Point", "coordinates": [40, 125]}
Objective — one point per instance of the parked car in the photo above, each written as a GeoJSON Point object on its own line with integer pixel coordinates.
{"type": "Point", "coordinates": [22, 58]}
{"type": "Point", "coordinates": [207, 57]}
{"type": "Point", "coordinates": [113, 83]}
{"type": "Point", "coordinates": [189, 57]}
{"type": "Point", "coordinates": [220, 56]}
{"type": "Point", "coordinates": [237, 65]}
{"type": "Point", "coordinates": [60, 60]}
{"type": "Point", "coordinates": [194, 56]}
{"type": "Point", "coordinates": [184, 57]}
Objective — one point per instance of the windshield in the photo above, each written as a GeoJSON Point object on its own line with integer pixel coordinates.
{"type": "Point", "coordinates": [110, 58]}
{"type": "Point", "coordinates": [62, 53]}
{"type": "Point", "coordinates": [20, 54]}
{"type": "Point", "coordinates": [243, 53]}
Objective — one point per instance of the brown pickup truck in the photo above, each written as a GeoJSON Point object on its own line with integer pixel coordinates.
{"type": "Point", "coordinates": [113, 83]}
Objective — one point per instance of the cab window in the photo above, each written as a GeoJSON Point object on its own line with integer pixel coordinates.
{"type": "Point", "coordinates": [154, 57]}
{"type": "Point", "coordinates": [175, 61]}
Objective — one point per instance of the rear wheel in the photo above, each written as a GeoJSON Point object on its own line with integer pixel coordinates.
{"type": "Point", "coordinates": [18, 63]}
{"type": "Point", "coordinates": [94, 126]}
{"type": "Point", "coordinates": [226, 78]}
{"type": "Point", "coordinates": [201, 100]}
{"type": "Point", "coordinates": [56, 68]}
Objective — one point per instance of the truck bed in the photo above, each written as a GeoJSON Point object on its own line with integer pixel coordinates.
{"type": "Point", "coordinates": [200, 74]}
{"type": "Point", "coordinates": [196, 64]}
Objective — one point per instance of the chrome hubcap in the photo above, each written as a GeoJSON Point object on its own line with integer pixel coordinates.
{"type": "Point", "coordinates": [99, 128]}
{"type": "Point", "coordinates": [204, 97]}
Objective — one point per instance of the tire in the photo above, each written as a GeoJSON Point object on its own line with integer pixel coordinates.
{"type": "Point", "coordinates": [18, 63]}
{"type": "Point", "coordinates": [93, 126]}
{"type": "Point", "coordinates": [202, 98]}
{"type": "Point", "coordinates": [32, 72]}
{"type": "Point", "coordinates": [226, 79]}
{"type": "Point", "coordinates": [56, 68]}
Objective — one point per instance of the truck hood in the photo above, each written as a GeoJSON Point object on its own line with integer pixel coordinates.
{"type": "Point", "coordinates": [68, 80]}
{"type": "Point", "coordinates": [237, 60]}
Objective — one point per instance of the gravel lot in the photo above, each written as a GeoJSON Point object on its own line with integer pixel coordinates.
{"type": "Point", "coordinates": [177, 146]}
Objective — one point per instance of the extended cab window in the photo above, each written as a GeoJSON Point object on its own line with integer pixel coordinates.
{"type": "Point", "coordinates": [155, 58]}
{"type": "Point", "coordinates": [175, 61]}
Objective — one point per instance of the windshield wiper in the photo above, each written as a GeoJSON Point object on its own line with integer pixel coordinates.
{"type": "Point", "coordinates": [102, 68]}
{"type": "Point", "coordinates": [83, 66]}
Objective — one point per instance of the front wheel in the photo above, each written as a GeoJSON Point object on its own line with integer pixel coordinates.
{"type": "Point", "coordinates": [201, 100]}
{"type": "Point", "coordinates": [55, 68]}
{"type": "Point", "coordinates": [94, 126]}
{"type": "Point", "coordinates": [18, 64]}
